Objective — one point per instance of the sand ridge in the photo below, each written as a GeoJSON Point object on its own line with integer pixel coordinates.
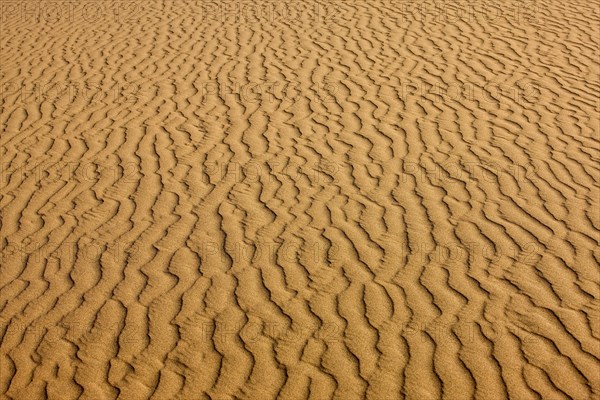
{"type": "Point", "coordinates": [300, 200]}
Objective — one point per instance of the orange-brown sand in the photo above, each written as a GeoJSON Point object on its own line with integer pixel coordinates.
{"type": "Point", "coordinates": [361, 199]}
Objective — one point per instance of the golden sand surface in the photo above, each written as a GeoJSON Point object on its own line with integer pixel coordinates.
{"type": "Point", "coordinates": [361, 199]}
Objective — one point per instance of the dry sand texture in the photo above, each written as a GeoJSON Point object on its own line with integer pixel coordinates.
{"type": "Point", "coordinates": [300, 200]}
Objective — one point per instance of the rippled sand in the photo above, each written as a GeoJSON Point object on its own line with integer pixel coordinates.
{"type": "Point", "coordinates": [300, 200]}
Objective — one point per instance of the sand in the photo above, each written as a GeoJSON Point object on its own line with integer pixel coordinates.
{"type": "Point", "coordinates": [300, 200]}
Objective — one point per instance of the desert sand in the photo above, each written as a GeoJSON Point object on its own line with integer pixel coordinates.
{"type": "Point", "coordinates": [300, 200]}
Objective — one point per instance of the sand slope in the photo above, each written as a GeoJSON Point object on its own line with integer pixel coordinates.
{"type": "Point", "coordinates": [350, 200]}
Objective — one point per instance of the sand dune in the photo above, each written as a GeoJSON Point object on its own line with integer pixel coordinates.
{"type": "Point", "coordinates": [300, 200]}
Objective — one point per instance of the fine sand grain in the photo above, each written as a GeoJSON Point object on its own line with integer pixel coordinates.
{"type": "Point", "coordinates": [361, 199]}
